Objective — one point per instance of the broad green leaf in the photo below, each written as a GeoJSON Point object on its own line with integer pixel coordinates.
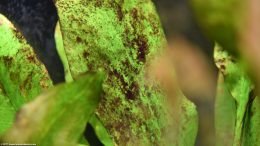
{"type": "Point", "coordinates": [58, 117]}
{"type": "Point", "coordinates": [121, 38]}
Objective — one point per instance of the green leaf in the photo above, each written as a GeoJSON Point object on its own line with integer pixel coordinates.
{"type": "Point", "coordinates": [252, 124]}
{"type": "Point", "coordinates": [101, 131]}
{"type": "Point", "coordinates": [58, 116]}
{"type": "Point", "coordinates": [225, 114]}
{"type": "Point", "coordinates": [120, 38]}
{"type": "Point", "coordinates": [7, 113]}
{"type": "Point", "coordinates": [238, 85]}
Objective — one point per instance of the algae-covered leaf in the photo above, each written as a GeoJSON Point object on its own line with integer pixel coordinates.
{"type": "Point", "coordinates": [22, 76]}
{"type": "Point", "coordinates": [239, 85]}
{"type": "Point", "coordinates": [58, 116]}
{"type": "Point", "coordinates": [119, 37]}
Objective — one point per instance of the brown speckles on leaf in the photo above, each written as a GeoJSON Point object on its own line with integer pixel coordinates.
{"type": "Point", "coordinates": [85, 54]}
{"type": "Point", "coordinates": [18, 35]}
{"type": "Point", "coordinates": [142, 46]}
{"type": "Point", "coordinates": [131, 90]}
{"type": "Point", "coordinates": [78, 39]}
{"type": "Point", "coordinates": [27, 83]}
{"type": "Point", "coordinates": [119, 12]}
{"type": "Point", "coordinates": [31, 58]}
{"type": "Point", "coordinates": [98, 3]}
{"type": "Point", "coordinates": [134, 13]}
{"type": "Point", "coordinates": [7, 60]}
{"type": "Point", "coordinates": [222, 67]}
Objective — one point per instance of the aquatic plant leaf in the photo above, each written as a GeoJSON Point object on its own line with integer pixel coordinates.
{"type": "Point", "coordinates": [251, 131]}
{"type": "Point", "coordinates": [58, 116]}
{"type": "Point", "coordinates": [238, 85]}
{"type": "Point", "coordinates": [225, 114]}
{"type": "Point", "coordinates": [121, 38]}
{"type": "Point", "coordinates": [101, 131]}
